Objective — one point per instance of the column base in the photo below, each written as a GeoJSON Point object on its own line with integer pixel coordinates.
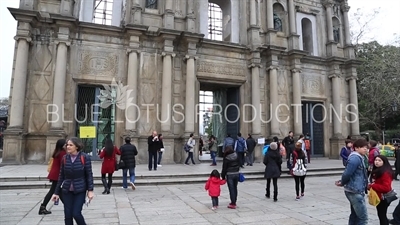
{"type": "Point", "coordinates": [331, 49]}
{"type": "Point", "coordinates": [52, 137]}
{"type": "Point", "coordinates": [14, 146]}
{"type": "Point", "coordinates": [336, 143]}
{"type": "Point", "coordinates": [294, 42]}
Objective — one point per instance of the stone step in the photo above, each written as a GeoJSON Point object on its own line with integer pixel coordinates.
{"type": "Point", "coordinates": [165, 180]}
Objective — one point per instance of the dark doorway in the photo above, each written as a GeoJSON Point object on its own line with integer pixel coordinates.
{"type": "Point", "coordinates": [232, 111]}
{"type": "Point", "coordinates": [313, 124]}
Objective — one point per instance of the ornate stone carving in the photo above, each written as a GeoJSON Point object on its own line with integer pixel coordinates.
{"type": "Point", "coordinates": [221, 68]}
{"type": "Point", "coordinates": [37, 119]}
{"type": "Point", "coordinates": [313, 85]}
{"type": "Point", "coordinates": [42, 59]}
{"type": "Point", "coordinates": [98, 63]}
{"type": "Point", "coordinates": [41, 87]}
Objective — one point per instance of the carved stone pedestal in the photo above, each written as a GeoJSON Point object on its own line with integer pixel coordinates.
{"type": "Point", "coordinates": [294, 41]}
{"type": "Point", "coordinates": [336, 144]}
{"type": "Point", "coordinates": [271, 37]}
{"type": "Point", "coordinates": [254, 34]}
{"type": "Point", "coordinates": [52, 137]}
{"type": "Point", "coordinates": [331, 49]}
{"type": "Point", "coordinates": [349, 52]}
{"type": "Point", "coordinates": [169, 19]}
{"type": "Point", "coordinates": [14, 146]}
{"type": "Point", "coordinates": [258, 156]}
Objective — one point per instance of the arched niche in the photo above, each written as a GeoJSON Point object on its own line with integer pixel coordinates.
{"type": "Point", "coordinates": [97, 11]}
{"type": "Point", "coordinates": [307, 28]}
{"type": "Point", "coordinates": [337, 30]}
{"type": "Point", "coordinates": [307, 34]}
{"type": "Point", "coordinates": [230, 18]}
{"type": "Point", "coordinates": [280, 16]}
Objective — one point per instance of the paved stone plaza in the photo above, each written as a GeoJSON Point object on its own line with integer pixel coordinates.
{"type": "Point", "coordinates": [189, 204]}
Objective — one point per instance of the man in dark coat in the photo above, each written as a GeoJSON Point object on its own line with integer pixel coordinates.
{"type": "Point", "coordinates": [251, 144]}
{"type": "Point", "coordinates": [153, 143]}
{"type": "Point", "coordinates": [128, 153]}
{"type": "Point", "coordinates": [288, 143]}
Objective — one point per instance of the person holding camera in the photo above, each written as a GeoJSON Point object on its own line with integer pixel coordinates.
{"type": "Point", "coordinates": [154, 145]}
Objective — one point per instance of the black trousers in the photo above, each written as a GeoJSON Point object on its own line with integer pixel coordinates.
{"type": "Point", "coordinates": [382, 212]}
{"type": "Point", "coordinates": [110, 180]}
{"type": "Point", "coordinates": [241, 158]}
{"type": "Point", "coordinates": [50, 193]}
{"type": "Point", "coordinates": [153, 160]}
{"type": "Point", "coordinates": [299, 181]}
{"type": "Point", "coordinates": [275, 184]}
{"type": "Point", "coordinates": [214, 201]}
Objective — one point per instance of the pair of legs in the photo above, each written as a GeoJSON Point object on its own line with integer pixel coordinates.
{"type": "Point", "coordinates": [159, 157]}
{"type": "Point", "coordinates": [275, 183]}
{"type": "Point", "coordinates": [106, 185]}
{"type": "Point", "coordinates": [152, 160]}
{"type": "Point", "coordinates": [250, 158]}
{"type": "Point", "coordinates": [213, 157]}
{"type": "Point", "coordinates": [131, 177]}
{"type": "Point", "coordinates": [299, 181]}
{"type": "Point", "coordinates": [241, 158]}
{"type": "Point", "coordinates": [232, 181]}
{"type": "Point", "coordinates": [190, 156]}
{"type": "Point", "coordinates": [73, 204]}
{"type": "Point", "coordinates": [309, 156]}
{"type": "Point", "coordinates": [47, 198]}
{"type": "Point", "coordinates": [382, 212]}
{"type": "Point", "coordinates": [358, 207]}
{"type": "Point", "coordinates": [214, 202]}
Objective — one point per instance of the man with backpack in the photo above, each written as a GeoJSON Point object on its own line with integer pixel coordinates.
{"type": "Point", "coordinates": [240, 148]}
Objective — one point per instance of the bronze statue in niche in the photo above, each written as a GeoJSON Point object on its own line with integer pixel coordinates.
{"type": "Point", "coordinates": [277, 23]}
{"type": "Point", "coordinates": [151, 4]}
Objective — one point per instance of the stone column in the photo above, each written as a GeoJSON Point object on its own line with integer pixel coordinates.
{"type": "Point", "coordinates": [329, 24]}
{"type": "Point", "coordinates": [273, 90]}
{"type": "Point", "coordinates": [190, 18]}
{"type": "Point", "coordinates": [166, 92]}
{"type": "Point", "coordinates": [253, 13]}
{"type": "Point", "coordinates": [169, 15]}
{"type": "Point", "coordinates": [345, 9]}
{"type": "Point", "coordinates": [19, 83]}
{"type": "Point", "coordinates": [190, 95]}
{"type": "Point", "coordinates": [355, 126]}
{"type": "Point", "coordinates": [270, 15]}
{"type": "Point", "coordinates": [298, 117]}
{"type": "Point", "coordinates": [131, 112]}
{"type": "Point", "coordinates": [292, 18]}
{"type": "Point", "coordinates": [255, 98]}
{"type": "Point", "coordinates": [337, 128]}
{"type": "Point", "coordinates": [136, 12]}
{"type": "Point", "coordinates": [59, 84]}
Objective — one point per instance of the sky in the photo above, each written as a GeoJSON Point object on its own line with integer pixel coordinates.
{"type": "Point", "coordinates": [382, 29]}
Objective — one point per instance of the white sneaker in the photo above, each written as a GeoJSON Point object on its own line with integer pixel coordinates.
{"type": "Point", "coordinates": [133, 186]}
{"type": "Point", "coordinates": [159, 165]}
{"type": "Point", "coordinates": [213, 208]}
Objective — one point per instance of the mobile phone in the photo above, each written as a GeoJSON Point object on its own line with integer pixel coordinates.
{"type": "Point", "coordinates": [56, 202]}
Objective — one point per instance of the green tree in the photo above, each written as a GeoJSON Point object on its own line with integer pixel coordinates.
{"type": "Point", "coordinates": [209, 129]}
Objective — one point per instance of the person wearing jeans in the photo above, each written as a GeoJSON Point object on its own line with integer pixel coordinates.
{"type": "Point", "coordinates": [128, 153]}
{"type": "Point", "coordinates": [355, 180]}
{"type": "Point", "coordinates": [251, 144]}
{"type": "Point", "coordinates": [230, 172]}
{"type": "Point", "coordinates": [191, 143]}
{"type": "Point", "coordinates": [213, 150]}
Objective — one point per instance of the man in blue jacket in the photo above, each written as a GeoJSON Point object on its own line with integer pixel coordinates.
{"type": "Point", "coordinates": [240, 148]}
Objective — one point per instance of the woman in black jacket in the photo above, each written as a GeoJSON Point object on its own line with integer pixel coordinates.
{"type": "Point", "coordinates": [230, 172]}
{"type": "Point", "coordinates": [75, 181]}
{"type": "Point", "coordinates": [272, 162]}
{"type": "Point", "coordinates": [128, 153]}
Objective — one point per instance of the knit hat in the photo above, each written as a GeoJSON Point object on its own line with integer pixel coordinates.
{"type": "Point", "coordinates": [273, 146]}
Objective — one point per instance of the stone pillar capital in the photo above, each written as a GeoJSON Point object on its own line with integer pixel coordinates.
{"type": "Point", "coordinates": [132, 50]}
{"type": "Point", "coordinates": [273, 67]}
{"type": "Point", "coordinates": [168, 53]}
{"type": "Point", "coordinates": [351, 78]}
{"type": "Point", "coordinates": [254, 64]}
{"type": "Point", "coordinates": [296, 70]}
{"type": "Point", "coordinates": [345, 7]}
{"type": "Point", "coordinates": [190, 57]}
{"type": "Point", "coordinates": [18, 37]}
{"type": "Point", "coordinates": [328, 3]}
{"type": "Point", "coordinates": [334, 76]}
{"type": "Point", "coordinates": [67, 43]}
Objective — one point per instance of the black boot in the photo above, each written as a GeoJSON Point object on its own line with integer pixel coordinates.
{"type": "Point", "coordinates": [103, 180]}
{"type": "Point", "coordinates": [109, 185]}
{"type": "Point", "coordinates": [275, 196]}
{"type": "Point", "coordinates": [43, 210]}
{"type": "Point", "coordinates": [267, 194]}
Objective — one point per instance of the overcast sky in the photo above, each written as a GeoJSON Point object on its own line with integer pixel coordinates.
{"type": "Point", "coordinates": [383, 29]}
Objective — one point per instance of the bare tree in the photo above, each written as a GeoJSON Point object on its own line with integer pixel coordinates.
{"type": "Point", "coordinates": [361, 25]}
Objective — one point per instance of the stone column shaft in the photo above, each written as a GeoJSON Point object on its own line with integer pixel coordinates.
{"type": "Point", "coordinates": [166, 92]}
{"type": "Point", "coordinates": [190, 95]}
{"type": "Point", "coordinates": [136, 2]}
{"type": "Point", "coordinates": [329, 22]}
{"type": "Point", "coordinates": [292, 18]}
{"type": "Point", "coordinates": [19, 83]}
{"type": "Point", "coordinates": [255, 99]}
{"type": "Point", "coordinates": [270, 15]}
{"type": "Point", "coordinates": [59, 85]}
{"type": "Point", "coordinates": [273, 90]}
{"type": "Point", "coordinates": [131, 113]}
{"type": "Point", "coordinates": [253, 13]}
{"type": "Point", "coordinates": [355, 125]}
{"type": "Point", "coordinates": [346, 25]}
{"type": "Point", "coordinates": [168, 4]}
{"type": "Point", "coordinates": [298, 117]}
{"type": "Point", "coordinates": [337, 129]}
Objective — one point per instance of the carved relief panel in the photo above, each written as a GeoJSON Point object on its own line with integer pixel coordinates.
{"type": "Point", "coordinates": [221, 70]}
{"type": "Point", "coordinates": [99, 63]}
{"type": "Point", "coordinates": [313, 85]}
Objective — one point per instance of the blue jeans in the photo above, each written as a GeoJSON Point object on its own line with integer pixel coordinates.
{"type": "Point", "coordinates": [232, 181]}
{"type": "Point", "coordinates": [73, 204]}
{"type": "Point", "coordinates": [359, 214]}
{"type": "Point", "coordinates": [213, 155]}
{"type": "Point", "coordinates": [190, 156]}
{"type": "Point", "coordinates": [125, 176]}
{"type": "Point", "coordinates": [159, 157]}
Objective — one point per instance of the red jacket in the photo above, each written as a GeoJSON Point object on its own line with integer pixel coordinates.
{"type": "Point", "coordinates": [55, 167]}
{"type": "Point", "coordinates": [382, 185]}
{"type": "Point", "coordinates": [108, 165]}
{"type": "Point", "coordinates": [213, 186]}
{"type": "Point", "coordinates": [371, 155]}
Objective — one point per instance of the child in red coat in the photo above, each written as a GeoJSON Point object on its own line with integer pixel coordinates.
{"type": "Point", "coordinates": [213, 186]}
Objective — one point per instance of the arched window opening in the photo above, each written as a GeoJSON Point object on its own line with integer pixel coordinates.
{"type": "Point", "coordinates": [151, 4]}
{"type": "Point", "coordinates": [103, 12]}
{"type": "Point", "coordinates": [336, 29]}
{"type": "Point", "coordinates": [307, 35]}
{"type": "Point", "coordinates": [214, 22]}
{"type": "Point", "coordinates": [279, 14]}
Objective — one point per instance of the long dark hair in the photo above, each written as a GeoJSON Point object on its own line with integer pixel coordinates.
{"type": "Point", "coordinates": [377, 172]}
{"type": "Point", "coordinates": [228, 150]}
{"type": "Point", "coordinates": [59, 147]}
{"type": "Point", "coordinates": [215, 173]}
{"type": "Point", "coordinates": [109, 147]}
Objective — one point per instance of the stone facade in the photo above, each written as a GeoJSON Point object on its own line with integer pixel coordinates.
{"type": "Point", "coordinates": [163, 54]}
